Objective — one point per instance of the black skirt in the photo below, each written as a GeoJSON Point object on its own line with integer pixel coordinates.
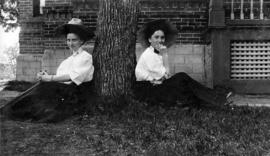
{"type": "Point", "coordinates": [179, 89]}
{"type": "Point", "coordinates": [48, 102]}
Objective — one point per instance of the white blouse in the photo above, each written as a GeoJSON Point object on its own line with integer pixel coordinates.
{"type": "Point", "coordinates": [78, 66]}
{"type": "Point", "coordinates": [150, 66]}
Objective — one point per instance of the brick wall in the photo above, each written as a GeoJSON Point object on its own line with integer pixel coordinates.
{"type": "Point", "coordinates": [56, 12]}
{"type": "Point", "coordinates": [53, 17]}
{"type": "Point", "coordinates": [31, 34]}
{"type": "Point", "coordinates": [31, 42]}
{"type": "Point", "coordinates": [190, 17]}
{"type": "Point", "coordinates": [25, 8]}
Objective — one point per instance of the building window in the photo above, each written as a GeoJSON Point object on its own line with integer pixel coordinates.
{"type": "Point", "coordinates": [38, 7]}
{"type": "Point", "coordinates": [247, 9]}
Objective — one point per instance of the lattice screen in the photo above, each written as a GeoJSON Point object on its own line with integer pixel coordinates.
{"type": "Point", "coordinates": [250, 60]}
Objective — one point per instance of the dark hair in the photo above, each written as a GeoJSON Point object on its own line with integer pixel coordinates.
{"type": "Point", "coordinates": [152, 30]}
{"type": "Point", "coordinates": [148, 29]}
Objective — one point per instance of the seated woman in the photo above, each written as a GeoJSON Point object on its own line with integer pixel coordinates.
{"type": "Point", "coordinates": [154, 80]}
{"type": "Point", "coordinates": [58, 96]}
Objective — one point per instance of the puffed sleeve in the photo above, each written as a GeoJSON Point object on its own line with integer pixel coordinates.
{"type": "Point", "coordinates": [155, 67]}
{"type": "Point", "coordinates": [82, 69]}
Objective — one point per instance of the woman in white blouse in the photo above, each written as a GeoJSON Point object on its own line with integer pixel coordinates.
{"type": "Point", "coordinates": [61, 95]}
{"type": "Point", "coordinates": [155, 83]}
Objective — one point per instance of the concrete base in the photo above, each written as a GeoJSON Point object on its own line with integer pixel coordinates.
{"type": "Point", "coordinates": [195, 60]}
{"type": "Point", "coordinates": [28, 65]}
{"type": "Point", "coordinates": [251, 100]}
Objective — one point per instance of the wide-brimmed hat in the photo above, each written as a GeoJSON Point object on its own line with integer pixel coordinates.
{"type": "Point", "coordinates": [149, 28]}
{"type": "Point", "coordinates": [75, 25]}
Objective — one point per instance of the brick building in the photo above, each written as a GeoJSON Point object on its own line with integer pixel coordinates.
{"type": "Point", "coordinates": [214, 38]}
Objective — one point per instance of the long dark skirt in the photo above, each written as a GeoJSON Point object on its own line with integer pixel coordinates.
{"type": "Point", "coordinates": [48, 102]}
{"type": "Point", "coordinates": [179, 89]}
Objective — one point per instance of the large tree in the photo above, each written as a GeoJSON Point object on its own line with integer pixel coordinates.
{"type": "Point", "coordinates": [114, 52]}
{"type": "Point", "coordinates": [9, 14]}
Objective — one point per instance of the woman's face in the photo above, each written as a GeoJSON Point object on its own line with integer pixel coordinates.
{"type": "Point", "coordinates": [157, 39]}
{"type": "Point", "coordinates": [73, 41]}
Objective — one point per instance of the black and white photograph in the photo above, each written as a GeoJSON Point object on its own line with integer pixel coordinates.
{"type": "Point", "coordinates": [135, 77]}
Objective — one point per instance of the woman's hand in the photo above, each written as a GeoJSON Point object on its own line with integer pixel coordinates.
{"type": "Point", "coordinates": [47, 78]}
{"type": "Point", "coordinates": [156, 82]}
{"type": "Point", "coordinates": [160, 47]}
{"type": "Point", "coordinates": [159, 81]}
{"type": "Point", "coordinates": [167, 75]}
{"type": "Point", "coordinates": [40, 74]}
{"type": "Point", "coordinates": [44, 76]}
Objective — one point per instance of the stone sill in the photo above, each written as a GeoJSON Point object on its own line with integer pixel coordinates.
{"type": "Point", "coordinates": [248, 23]}
{"type": "Point", "coordinates": [182, 1]}
{"type": "Point", "coordinates": [38, 19]}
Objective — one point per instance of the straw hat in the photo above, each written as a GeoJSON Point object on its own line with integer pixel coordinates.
{"type": "Point", "coordinates": [149, 28]}
{"type": "Point", "coordinates": [76, 26]}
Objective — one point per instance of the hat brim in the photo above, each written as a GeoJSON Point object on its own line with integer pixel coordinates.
{"type": "Point", "coordinates": [149, 28]}
{"type": "Point", "coordinates": [82, 31]}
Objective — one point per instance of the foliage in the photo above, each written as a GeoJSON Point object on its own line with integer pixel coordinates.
{"type": "Point", "coordinates": [9, 14]}
{"type": "Point", "coordinates": [12, 52]}
{"type": "Point", "coordinates": [136, 130]}
{"type": "Point", "coordinates": [8, 66]}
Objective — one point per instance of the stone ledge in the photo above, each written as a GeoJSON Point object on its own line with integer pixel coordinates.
{"type": "Point", "coordinates": [251, 100]}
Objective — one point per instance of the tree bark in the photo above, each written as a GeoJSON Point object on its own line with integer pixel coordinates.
{"type": "Point", "coordinates": [114, 53]}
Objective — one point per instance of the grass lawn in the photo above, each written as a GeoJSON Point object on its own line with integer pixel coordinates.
{"type": "Point", "coordinates": [237, 131]}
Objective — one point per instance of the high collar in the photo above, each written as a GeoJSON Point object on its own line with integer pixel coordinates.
{"type": "Point", "coordinates": [154, 50]}
{"type": "Point", "coordinates": [77, 52]}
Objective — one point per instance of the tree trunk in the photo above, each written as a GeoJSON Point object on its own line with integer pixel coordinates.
{"type": "Point", "coordinates": [114, 52]}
